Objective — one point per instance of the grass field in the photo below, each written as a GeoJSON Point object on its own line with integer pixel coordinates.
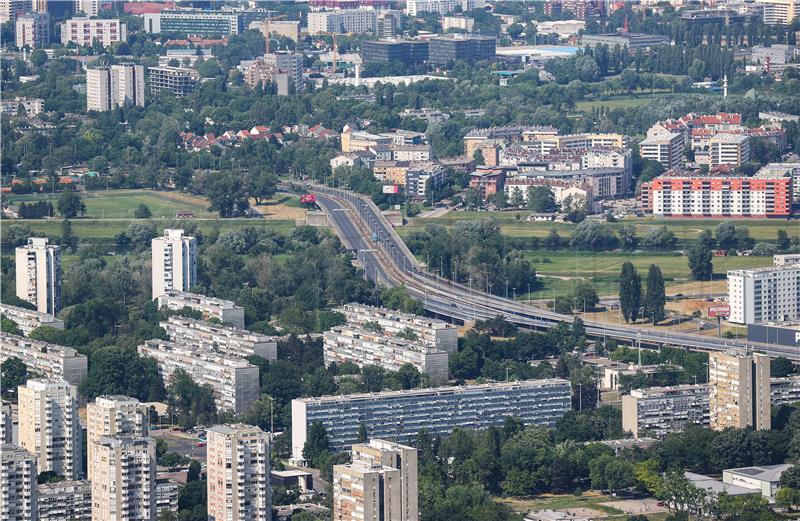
{"type": "Point", "coordinates": [578, 504]}
{"type": "Point", "coordinates": [684, 229]}
{"type": "Point", "coordinates": [619, 102]}
{"type": "Point", "coordinates": [120, 204]}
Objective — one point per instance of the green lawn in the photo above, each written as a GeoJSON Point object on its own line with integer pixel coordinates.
{"type": "Point", "coordinates": [684, 229]}
{"type": "Point", "coordinates": [120, 204]}
{"type": "Point", "coordinates": [560, 271]}
{"type": "Point", "coordinates": [619, 102]}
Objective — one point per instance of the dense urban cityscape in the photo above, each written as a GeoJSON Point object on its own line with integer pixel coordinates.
{"type": "Point", "coordinates": [399, 260]}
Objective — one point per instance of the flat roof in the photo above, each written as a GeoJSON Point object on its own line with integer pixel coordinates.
{"type": "Point", "coordinates": [771, 473]}
{"type": "Point", "coordinates": [715, 486]}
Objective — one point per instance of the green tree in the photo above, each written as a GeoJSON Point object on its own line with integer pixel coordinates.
{"type": "Point", "coordinates": [264, 186]}
{"type": "Point", "coordinates": [541, 199]}
{"type": "Point", "coordinates": [228, 194]}
{"type": "Point", "coordinates": [362, 433]}
{"type": "Point", "coordinates": [783, 242]}
{"type": "Point", "coordinates": [563, 304]}
{"type": "Point", "coordinates": [194, 471]}
{"type": "Point", "coordinates": [68, 239]}
{"type": "Point", "coordinates": [13, 373]}
{"type": "Point", "coordinates": [630, 292]}
{"type": "Point", "coordinates": [781, 366]}
{"type": "Point", "coordinates": [584, 295]}
{"type": "Point", "coordinates": [9, 326]}
{"type": "Point", "coordinates": [117, 370]}
{"type": "Point", "coordinates": [700, 262]}
{"type": "Point", "coordinates": [70, 204]}
{"type": "Point", "coordinates": [316, 444]}
{"type": "Point", "coordinates": [142, 212]}
{"type": "Point", "coordinates": [409, 376]}
{"type": "Point", "coordinates": [655, 297]}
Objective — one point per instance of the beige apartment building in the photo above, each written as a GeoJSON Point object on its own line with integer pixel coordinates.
{"type": "Point", "coordinates": [110, 416]}
{"type": "Point", "coordinates": [84, 31]}
{"type": "Point", "coordinates": [49, 428]}
{"type": "Point", "coordinates": [49, 360]}
{"type": "Point", "coordinates": [17, 484]}
{"type": "Point", "coordinates": [380, 484]}
{"type": "Point", "coordinates": [38, 274]}
{"type": "Point", "coordinates": [116, 86]}
{"type": "Point", "coordinates": [739, 390]}
{"type": "Point", "coordinates": [238, 468]}
{"type": "Point", "coordinates": [174, 262]}
{"type": "Point", "coordinates": [225, 310]}
{"type": "Point", "coordinates": [28, 319]}
{"type": "Point", "coordinates": [65, 500]}
{"type": "Point", "coordinates": [123, 485]}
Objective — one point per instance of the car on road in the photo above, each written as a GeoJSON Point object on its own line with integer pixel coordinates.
{"type": "Point", "coordinates": [200, 444]}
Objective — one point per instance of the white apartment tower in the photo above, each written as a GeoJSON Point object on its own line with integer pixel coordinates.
{"type": "Point", "coordinates": [116, 86]}
{"type": "Point", "coordinates": [38, 268]}
{"type": "Point", "coordinates": [380, 484]}
{"type": "Point", "coordinates": [124, 481]}
{"type": "Point", "coordinates": [17, 484]}
{"type": "Point", "coordinates": [110, 416]}
{"type": "Point", "coordinates": [87, 7]}
{"type": "Point", "coordinates": [766, 294]}
{"type": "Point", "coordinates": [238, 468]}
{"type": "Point", "coordinates": [49, 428]}
{"type": "Point", "coordinates": [174, 262]}
{"type": "Point", "coordinates": [739, 390]}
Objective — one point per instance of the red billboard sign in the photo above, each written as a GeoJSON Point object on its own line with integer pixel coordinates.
{"type": "Point", "coordinates": [308, 198]}
{"type": "Point", "coordinates": [719, 310]}
{"type": "Point", "coordinates": [391, 189]}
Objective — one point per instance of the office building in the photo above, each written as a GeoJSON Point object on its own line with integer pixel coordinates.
{"type": "Point", "coordinates": [110, 416]}
{"type": "Point", "coordinates": [120, 85]}
{"type": "Point", "coordinates": [87, 7]}
{"type": "Point", "coordinates": [355, 21]}
{"type": "Point", "coordinates": [779, 12]}
{"type": "Point", "coordinates": [84, 31]}
{"type": "Point", "coordinates": [739, 390]}
{"type": "Point", "coordinates": [632, 41]}
{"type": "Point", "coordinates": [429, 331]}
{"type": "Point", "coordinates": [194, 22]}
{"type": "Point", "coordinates": [401, 415]}
{"type": "Point", "coordinates": [408, 52]}
{"type": "Point", "coordinates": [10, 9]}
{"type": "Point", "coordinates": [174, 258]}
{"type": "Point", "coordinates": [31, 106]}
{"type": "Point", "coordinates": [238, 468]}
{"type": "Point", "coordinates": [234, 381]}
{"type": "Point", "coordinates": [18, 475]}
{"type": "Point", "coordinates": [65, 500]}
{"type": "Point", "coordinates": [445, 49]}
{"type": "Point", "coordinates": [681, 194]}
{"type": "Point", "coordinates": [729, 149]}
{"type": "Point", "coordinates": [178, 81]}
{"type": "Point", "coordinates": [767, 294]}
{"type": "Point", "coordinates": [38, 274]}
{"type": "Point", "coordinates": [49, 428]}
{"type": "Point", "coordinates": [32, 30]}
{"type": "Point", "coordinates": [225, 340]}
{"type": "Point", "coordinates": [49, 360]}
{"type": "Point", "coordinates": [379, 484]}
{"type": "Point", "coordinates": [664, 147]}
{"type": "Point", "coordinates": [362, 346]}
{"type": "Point", "coordinates": [28, 319]}
{"type": "Point", "coordinates": [658, 411]}
{"type": "Point", "coordinates": [226, 311]}
{"type": "Point", "coordinates": [124, 481]}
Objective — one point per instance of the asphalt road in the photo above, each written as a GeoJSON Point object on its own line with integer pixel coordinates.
{"type": "Point", "coordinates": [388, 261]}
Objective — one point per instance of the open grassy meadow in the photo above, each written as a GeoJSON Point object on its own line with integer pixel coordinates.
{"type": "Point", "coordinates": [120, 204]}
{"type": "Point", "coordinates": [513, 224]}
